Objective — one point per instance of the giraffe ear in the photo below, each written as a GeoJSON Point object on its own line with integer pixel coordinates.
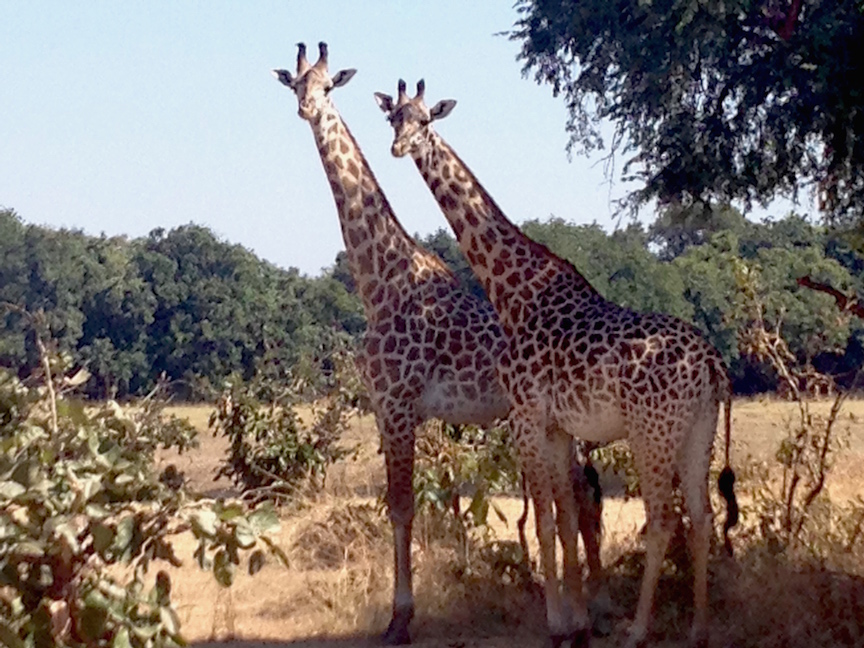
{"type": "Point", "coordinates": [342, 77]}
{"type": "Point", "coordinates": [385, 102]}
{"type": "Point", "coordinates": [284, 76]}
{"type": "Point", "coordinates": [442, 109]}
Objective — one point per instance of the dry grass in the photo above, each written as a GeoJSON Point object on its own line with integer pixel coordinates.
{"type": "Point", "coordinates": [340, 579]}
{"type": "Point", "coordinates": [759, 425]}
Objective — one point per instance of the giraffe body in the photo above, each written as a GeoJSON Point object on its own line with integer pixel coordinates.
{"type": "Point", "coordinates": [579, 365]}
{"type": "Point", "coordinates": [430, 350]}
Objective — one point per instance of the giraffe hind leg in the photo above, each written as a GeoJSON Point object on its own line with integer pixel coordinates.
{"type": "Point", "coordinates": [589, 499]}
{"type": "Point", "coordinates": [694, 487]}
{"type": "Point", "coordinates": [656, 479]}
{"type": "Point", "coordinates": [569, 516]}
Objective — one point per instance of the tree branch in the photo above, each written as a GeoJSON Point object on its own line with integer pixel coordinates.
{"type": "Point", "coordinates": [844, 301]}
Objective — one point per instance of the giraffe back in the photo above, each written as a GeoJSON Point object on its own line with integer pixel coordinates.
{"type": "Point", "coordinates": [595, 366]}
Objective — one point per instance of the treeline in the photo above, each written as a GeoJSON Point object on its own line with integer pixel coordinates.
{"type": "Point", "coordinates": [178, 303]}
{"type": "Point", "coordinates": [186, 305]}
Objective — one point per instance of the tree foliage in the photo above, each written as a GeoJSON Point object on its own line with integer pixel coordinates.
{"type": "Point", "coordinates": [711, 99]}
{"type": "Point", "coordinates": [184, 305]}
{"type": "Point", "coordinates": [274, 449]}
{"type": "Point", "coordinates": [180, 304]}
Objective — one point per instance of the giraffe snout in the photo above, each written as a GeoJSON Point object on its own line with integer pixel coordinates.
{"type": "Point", "coordinates": [306, 109]}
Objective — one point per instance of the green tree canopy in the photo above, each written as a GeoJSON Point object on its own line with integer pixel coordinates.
{"type": "Point", "coordinates": [711, 100]}
{"type": "Point", "coordinates": [199, 309]}
{"type": "Point", "coordinates": [180, 303]}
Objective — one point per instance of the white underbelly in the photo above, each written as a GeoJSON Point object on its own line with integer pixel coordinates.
{"type": "Point", "coordinates": [600, 423]}
{"type": "Point", "coordinates": [450, 402]}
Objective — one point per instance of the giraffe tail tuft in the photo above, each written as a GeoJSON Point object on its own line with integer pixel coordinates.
{"type": "Point", "coordinates": [726, 484]}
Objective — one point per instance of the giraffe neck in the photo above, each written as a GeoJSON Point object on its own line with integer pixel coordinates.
{"type": "Point", "coordinates": [384, 260]}
{"type": "Point", "coordinates": [512, 268]}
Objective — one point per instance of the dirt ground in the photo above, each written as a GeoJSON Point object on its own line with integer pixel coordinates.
{"type": "Point", "coordinates": [345, 601]}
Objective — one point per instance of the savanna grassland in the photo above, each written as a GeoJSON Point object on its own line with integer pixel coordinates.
{"type": "Point", "coordinates": [337, 589]}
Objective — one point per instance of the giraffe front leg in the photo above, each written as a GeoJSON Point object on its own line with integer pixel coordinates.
{"type": "Point", "coordinates": [546, 536]}
{"type": "Point", "coordinates": [399, 456]}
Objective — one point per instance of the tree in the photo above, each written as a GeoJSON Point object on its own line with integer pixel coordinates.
{"type": "Point", "coordinates": [41, 270]}
{"type": "Point", "coordinates": [678, 227]}
{"type": "Point", "coordinates": [180, 303]}
{"type": "Point", "coordinates": [341, 272]}
{"type": "Point", "coordinates": [219, 308]}
{"type": "Point", "coordinates": [711, 100]}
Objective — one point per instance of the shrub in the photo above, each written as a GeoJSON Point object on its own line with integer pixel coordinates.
{"type": "Point", "coordinates": [77, 497]}
{"type": "Point", "coordinates": [273, 450]}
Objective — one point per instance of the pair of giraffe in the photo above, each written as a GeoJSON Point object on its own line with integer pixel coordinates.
{"type": "Point", "coordinates": [551, 354]}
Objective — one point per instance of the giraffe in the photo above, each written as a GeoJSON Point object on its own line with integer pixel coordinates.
{"type": "Point", "coordinates": [430, 349]}
{"type": "Point", "coordinates": [579, 365]}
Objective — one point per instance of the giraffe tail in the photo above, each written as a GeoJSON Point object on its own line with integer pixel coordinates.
{"type": "Point", "coordinates": [726, 481]}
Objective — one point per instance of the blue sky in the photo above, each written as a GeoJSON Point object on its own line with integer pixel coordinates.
{"type": "Point", "coordinates": [124, 117]}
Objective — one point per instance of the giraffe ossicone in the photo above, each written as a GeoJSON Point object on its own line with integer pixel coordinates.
{"type": "Point", "coordinates": [579, 365]}
{"type": "Point", "coordinates": [430, 349]}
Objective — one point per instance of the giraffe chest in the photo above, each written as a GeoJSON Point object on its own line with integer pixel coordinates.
{"type": "Point", "coordinates": [436, 354]}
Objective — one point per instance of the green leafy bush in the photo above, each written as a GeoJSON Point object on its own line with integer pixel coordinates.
{"type": "Point", "coordinates": [78, 496]}
{"type": "Point", "coordinates": [465, 461]}
{"type": "Point", "coordinates": [273, 450]}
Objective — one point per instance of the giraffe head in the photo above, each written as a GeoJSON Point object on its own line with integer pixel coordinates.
{"type": "Point", "coordinates": [411, 118]}
{"type": "Point", "coordinates": [312, 83]}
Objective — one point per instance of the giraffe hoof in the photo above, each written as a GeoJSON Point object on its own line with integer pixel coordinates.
{"type": "Point", "coordinates": [396, 633]}
{"type": "Point", "coordinates": [577, 639]}
{"type": "Point", "coordinates": [634, 641]}
{"type": "Point", "coordinates": [556, 640]}
{"type": "Point", "coordinates": [395, 636]}
{"type": "Point", "coordinates": [601, 622]}
{"type": "Point", "coordinates": [602, 626]}
{"type": "Point", "coordinates": [581, 638]}
{"type": "Point", "coordinates": [699, 640]}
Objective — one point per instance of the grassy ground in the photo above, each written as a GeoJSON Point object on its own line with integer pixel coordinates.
{"type": "Point", "coordinates": [337, 590]}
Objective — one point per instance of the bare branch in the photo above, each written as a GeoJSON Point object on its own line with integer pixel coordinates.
{"type": "Point", "coordinates": [844, 302]}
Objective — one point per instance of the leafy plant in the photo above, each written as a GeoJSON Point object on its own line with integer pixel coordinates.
{"type": "Point", "coordinates": [273, 450]}
{"type": "Point", "coordinates": [78, 496]}
{"type": "Point", "coordinates": [784, 506]}
{"type": "Point", "coordinates": [617, 459]}
{"type": "Point", "coordinates": [465, 461]}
